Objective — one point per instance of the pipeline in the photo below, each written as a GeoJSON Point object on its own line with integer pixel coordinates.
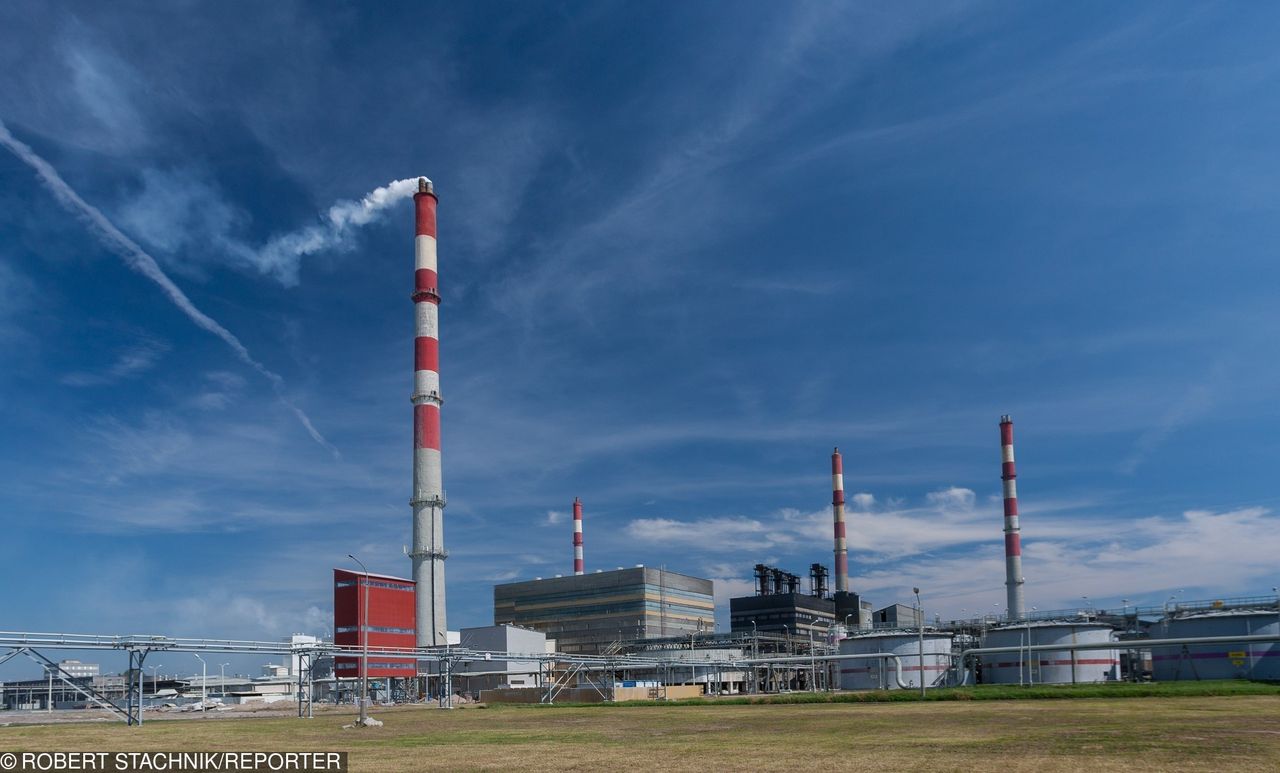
{"type": "Point", "coordinates": [892, 658]}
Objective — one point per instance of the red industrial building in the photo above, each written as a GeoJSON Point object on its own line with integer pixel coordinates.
{"type": "Point", "coordinates": [390, 622]}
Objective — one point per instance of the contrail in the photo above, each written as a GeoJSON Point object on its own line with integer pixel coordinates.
{"type": "Point", "coordinates": [139, 260]}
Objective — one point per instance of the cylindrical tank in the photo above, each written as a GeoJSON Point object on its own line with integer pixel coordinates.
{"type": "Point", "coordinates": [877, 673]}
{"type": "Point", "coordinates": [1218, 661]}
{"type": "Point", "coordinates": [1050, 666]}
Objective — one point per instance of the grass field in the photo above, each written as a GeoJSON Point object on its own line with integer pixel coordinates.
{"type": "Point", "coordinates": [1218, 733]}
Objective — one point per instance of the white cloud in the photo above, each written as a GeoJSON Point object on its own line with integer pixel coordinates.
{"type": "Point", "coordinates": [1205, 552]}
{"type": "Point", "coordinates": [862, 501]}
{"type": "Point", "coordinates": [556, 516]}
{"type": "Point", "coordinates": [730, 532]}
{"type": "Point", "coordinates": [954, 498]}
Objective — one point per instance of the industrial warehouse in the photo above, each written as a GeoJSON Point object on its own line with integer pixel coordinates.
{"type": "Point", "coordinates": [646, 632]}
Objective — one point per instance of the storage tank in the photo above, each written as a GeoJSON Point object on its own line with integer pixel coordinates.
{"type": "Point", "coordinates": [873, 674]}
{"type": "Point", "coordinates": [1218, 661]}
{"type": "Point", "coordinates": [1050, 666]}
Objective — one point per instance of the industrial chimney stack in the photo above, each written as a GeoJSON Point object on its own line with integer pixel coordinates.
{"type": "Point", "coordinates": [428, 501]}
{"type": "Point", "coordinates": [1012, 531]}
{"type": "Point", "coordinates": [837, 509]}
{"type": "Point", "coordinates": [577, 536]}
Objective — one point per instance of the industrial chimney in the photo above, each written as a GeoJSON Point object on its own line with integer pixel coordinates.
{"type": "Point", "coordinates": [577, 536]}
{"type": "Point", "coordinates": [428, 501]}
{"type": "Point", "coordinates": [762, 580]}
{"type": "Point", "coordinates": [837, 509]}
{"type": "Point", "coordinates": [1012, 531]}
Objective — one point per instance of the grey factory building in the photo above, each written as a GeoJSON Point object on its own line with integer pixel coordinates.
{"type": "Point", "coordinates": [589, 613]}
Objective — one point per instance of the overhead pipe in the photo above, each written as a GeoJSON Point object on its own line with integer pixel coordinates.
{"type": "Point", "coordinates": [891, 657]}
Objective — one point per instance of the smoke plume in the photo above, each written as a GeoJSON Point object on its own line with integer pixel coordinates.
{"type": "Point", "coordinates": [282, 254]}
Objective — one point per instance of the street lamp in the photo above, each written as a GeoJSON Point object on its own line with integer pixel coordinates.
{"type": "Point", "coordinates": [1030, 662]}
{"type": "Point", "coordinates": [204, 682]}
{"type": "Point", "coordinates": [362, 629]}
{"type": "Point", "coordinates": [222, 681]}
{"type": "Point", "coordinates": [920, 622]}
{"type": "Point", "coordinates": [154, 669]}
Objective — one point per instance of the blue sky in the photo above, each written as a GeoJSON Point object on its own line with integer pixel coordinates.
{"type": "Point", "coordinates": [685, 249]}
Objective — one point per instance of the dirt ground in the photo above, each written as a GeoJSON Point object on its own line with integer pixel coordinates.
{"type": "Point", "coordinates": [1238, 733]}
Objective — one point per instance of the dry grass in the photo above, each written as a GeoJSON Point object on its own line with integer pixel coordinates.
{"type": "Point", "coordinates": [1212, 733]}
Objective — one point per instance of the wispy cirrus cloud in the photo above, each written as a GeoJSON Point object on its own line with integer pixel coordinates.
{"type": "Point", "coordinates": [130, 362]}
{"type": "Point", "coordinates": [141, 261]}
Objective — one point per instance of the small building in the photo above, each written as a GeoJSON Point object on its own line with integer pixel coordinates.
{"type": "Point", "coordinates": [588, 613]}
{"type": "Point", "coordinates": [477, 675]}
{"type": "Point", "coordinates": [897, 616]}
{"type": "Point", "coordinates": [388, 622]}
{"type": "Point", "coordinates": [788, 613]}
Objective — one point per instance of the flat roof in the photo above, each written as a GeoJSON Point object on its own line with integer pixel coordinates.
{"type": "Point", "coordinates": [598, 574]}
{"type": "Point", "coordinates": [371, 575]}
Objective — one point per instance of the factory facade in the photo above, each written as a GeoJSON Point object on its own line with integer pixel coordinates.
{"type": "Point", "coordinates": [590, 612]}
{"type": "Point", "coordinates": [388, 621]}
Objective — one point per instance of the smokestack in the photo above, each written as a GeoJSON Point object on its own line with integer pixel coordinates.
{"type": "Point", "coordinates": [577, 536]}
{"type": "Point", "coordinates": [762, 580]}
{"type": "Point", "coordinates": [841, 567]}
{"type": "Point", "coordinates": [1012, 531]}
{"type": "Point", "coordinates": [428, 553]}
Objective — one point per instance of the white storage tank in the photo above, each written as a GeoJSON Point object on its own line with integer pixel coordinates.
{"type": "Point", "coordinates": [1218, 661]}
{"type": "Point", "coordinates": [1050, 666]}
{"type": "Point", "coordinates": [877, 673]}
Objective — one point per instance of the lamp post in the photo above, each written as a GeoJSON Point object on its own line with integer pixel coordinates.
{"type": "Point", "coordinates": [1030, 663]}
{"type": "Point", "coordinates": [204, 682]}
{"type": "Point", "coordinates": [154, 670]}
{"type": "Point", "coordinates": [222, 679]}
{"type": "Point", "coordinates": [362, 629]}
{"type": "Point", "coordinates": [920, 622]}
{"type": "Point", "coordinates": [813, 664]}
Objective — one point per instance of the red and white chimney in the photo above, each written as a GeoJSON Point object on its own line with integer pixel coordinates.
{"type": "Point", "coordinates": [837, 510]}
{"type": "Point", "coordinates": [577, 536]}
{"type": "Point", "coordinates": [1013, 579]}
{"type": "Point", "coordinates": [428, 500]}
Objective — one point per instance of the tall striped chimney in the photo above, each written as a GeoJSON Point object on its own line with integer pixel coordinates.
{"type": "Point", "coordinates": [577, 536]}
{"type": "Point", "coordinates": [1012, 531]}
{"type": "Point", "coordinates": [837, 509]}
{"type": "Point", "coordinates": [428, 553]}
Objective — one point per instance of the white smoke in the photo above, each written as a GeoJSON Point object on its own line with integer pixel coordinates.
{"type": "Point", "coordinates": [142, 262]}
{"type": "Point", "coordinates": [282, 255]}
